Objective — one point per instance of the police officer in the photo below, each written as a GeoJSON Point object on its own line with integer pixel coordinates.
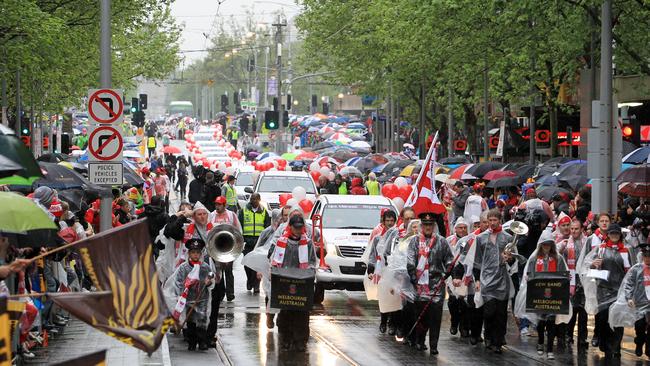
{"type": "Point", "coordinates": [231, 194]}
{"type": "Point", "coordinates": [254, 218]}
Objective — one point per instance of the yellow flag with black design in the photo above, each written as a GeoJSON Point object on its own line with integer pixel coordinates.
{"type": "Point", "coordinates": [5, 334]}
{"type": "Point", "coordinates": [129, 304]}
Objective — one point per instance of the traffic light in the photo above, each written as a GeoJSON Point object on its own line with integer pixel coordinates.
{"type": "Point", "coordinates": [224, 103]}
{"type": "Point", "coordinates": [134, 105]}
{"type": "Point", "coordinates": [25, 126]}
{"type": "Point", "coordinates": [271, 120]}
{"type": "Point", "coordinates": [143, 102]}
{"type": "Point", "coordinates": [285, 119]}
{"type": "Point", "coordinates": [289, 101]}
{"type": "Point", "coordinates": [138, 118]}
{"type": "Point", "coordinates": [326, 108]}
{"type": "Point", "coordinates": [627, 131]}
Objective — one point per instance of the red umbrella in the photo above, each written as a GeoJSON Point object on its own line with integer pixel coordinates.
{"type": "Point", "coordinates": [635, 189]}
{"type": "Point", "coordinates": [306, 155]}
{"type": "Point", "coordinates": [171, 150]}
{"type": "Point", "coordinates": [459, 173]}
{"type": "Point", "coordinates": [496, 174]}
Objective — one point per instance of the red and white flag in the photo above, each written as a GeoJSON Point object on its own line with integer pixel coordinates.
{"type": "Point", "coordinates": [423, 198]}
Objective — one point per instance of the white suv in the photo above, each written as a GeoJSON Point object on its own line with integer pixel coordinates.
{"type": "Point", "coordinates": [271, 184]}
{"type": "Point", "coordinates": [347, 221]}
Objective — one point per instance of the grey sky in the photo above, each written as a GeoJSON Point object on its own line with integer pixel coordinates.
{"type": "Point", "coordinates": [199, 15]}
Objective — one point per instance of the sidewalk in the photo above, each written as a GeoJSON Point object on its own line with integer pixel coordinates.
{"type": "Point", "coordinates": [78, 339]}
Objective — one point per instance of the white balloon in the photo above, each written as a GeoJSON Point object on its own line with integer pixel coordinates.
{"type": "Point", "coordinates": [401, 182]}
{"type": "Point", "coordinates": [292, 202]}
{"type": "Point", "coordinates": [399, 202]}
{"type": "Point", "coordinates": [299, 193]}
{"type": "Point", "coordinates": [313, 167]}
{"type": "Point", "coordinates": [331, 176]}
{"type": "Point", "coordinates": [325, 170]}
{"type": "Point", "coordinates": [221, 166]}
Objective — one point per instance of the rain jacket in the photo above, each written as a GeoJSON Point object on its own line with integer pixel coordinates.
{"type": "Point", "coordinates": [633, 288]}
{"type": "Point", "coordinates": [578, 298]}
{"type": "Point", "coordinates": [175, 285]}
{"type": "Point", "coordinates": [291, 259]}
{"type": "Point", "coordinates": [357, 187]}
{"type": "Point", "coordinates": [439, 259]}
{"type": "Point", "coordinates": [490, 268]}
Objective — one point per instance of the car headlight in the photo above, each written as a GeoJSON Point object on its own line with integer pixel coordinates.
{"type": "Point", "coordinates": [331, 248]}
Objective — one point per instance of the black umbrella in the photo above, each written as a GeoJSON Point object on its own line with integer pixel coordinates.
{"type": "Point", "coordinates": [323, 145]}
{"type": "Point", "coordinates": [525, 171]}
{"type": "Point", "coordinates": [551, 166]}
{"type": "Point", "coordinates": [60, 178]}
{"type": "Point", "coordinates": [575, 182]}
{"type": "Point", "coordinates": [547, 192]}
{"type": "Point", "coordinates": [480, 169]}
{"type": "Point", "coordinates": [366, 164]}
{"type": "Point", "coordinates": [506, 182]}
{"type": "Point", "coordinates": [252, 147]}
{"type": "Point", "coordinates": [455, 160]}
{"type": "Point", "coordinates": [12, 148]}
{"type": "Point", "coordinates": [393, 168]}
{"type": "Point", "coordinates": [131, 177]}
{"type": "Point", "coordinates": [343, 155]}
{"type": "Point", "coordinates": [53, 158]}
{"type": "Point", "coordinates": [73, 197]}
{"type": "Point", "coordinates": [639, 174]}
{"type": "Point", "coordinates": [572, 169]}
{"type": "Point", "coordinates": [9, 167]}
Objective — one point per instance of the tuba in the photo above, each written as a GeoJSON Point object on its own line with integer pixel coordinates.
{"type": "Point", "coordinates": [517, 228]}
{"type": "Point", "coordinates": [225, 243]}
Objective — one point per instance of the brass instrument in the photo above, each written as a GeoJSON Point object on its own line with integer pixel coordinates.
{"type": "Point", "coordinates": [225, 243]}
{"type": "Point", "coordinates": [517, 228]}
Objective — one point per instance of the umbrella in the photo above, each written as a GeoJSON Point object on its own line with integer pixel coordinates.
{"type": "Point", "coordinates": [350, 170]}
{"type": "Point", "coordinates": [326, 159]}
{"type": "Point", "coordinates": [575, 182]}
{"type": "Point", "coordinates": [171, 150]}
{"type": "Point", "coordinates": [14, 150]}
{"type": "Point", "coordinates": [361, 145]}
{"type": "Point", "coordinates": [444, 178]}
{"type": "Point", "coordinates": [59, 177]}
{"type": "Point", "coordinates": [131, 177]}
{"type": "Point", "coordinates": [547, 192]}
{"type": "Point", "coordinates": [506, 182]}
{"type": "Point", "coordinates": [395, 167]}
{"type": "Point", "coordinates": [379, 158]}
{"type": "Point", "coordinates": [323, 145]}
{"type": "Point", "coordinates": [9, 167]}
{"type": "Point", "coordinates": [572, 168]}
{"type": "Point", "coordinates": [367, 164]}
{"type": "Point", "coordinates": [53, 158]}
{"type": "Point", "coordinates": [637, 174]}
{"type": "Point", "coordinates": [343, 154]}
{"type": "Point", "coordinates": [547, 180]}
{"type": "Point", "coordinates": [378, 169]}
{"type": "Point", "coordinates": [525, 171]}
{"type": "Point", "coordinates": [307, 155]}
{"type": "Point", "coordinates": [409, 170]}
{"type": "Point", "coordinates": [635, 189]}
{"type": "Point", "coordinates": [638, 156]}
{"type": "Point", "coordinates": [454, 160]}
{"type": "Point", "coordinates": [357, 126]}
{"type": "Point", "coordinates": [480, 169]}
{"type": "Point", "coordinates": [350, 162]}
{"type": "Point", "coordinates": [289, 156]}
{"type": "Point", "coordinates": [326, 129]}
{"type": "Point", "coordinates": [22, 217]}
{"type": "Point", "coordinates": [497, 174]}
{"type": "Point", "coordinates": [460, 172]}
{"type": "Point", "coordinates": [265, 155]}
{"type": "Point", "coordinates": [396, 156]}
{"type": "Point", "coordinates": [253, 147]}
{"type": "Point", "coordinates": [551, 166]}
{"type": "Point", "coordinates": [72, 197]}
{"type": "Point", "coordinates": [132, 154]}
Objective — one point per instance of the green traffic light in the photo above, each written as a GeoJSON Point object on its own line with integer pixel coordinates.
{"type": "Point", "coordinates": [272, 124]}
{"type": "Point", "coordinates": [25, 131]}
{"type": "Point", "coordinates": [134, 109]}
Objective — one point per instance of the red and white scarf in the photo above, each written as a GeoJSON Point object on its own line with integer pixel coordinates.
{"type": "Point", "coordinates": [191, 280]}
{"type": "Point", "coordinates": [281, 247]}
{"type": "Point", "coordinates": [622, 250]}
{"type": "Point", "coordinates": [571, 262]}
{"type": "Point", "coordinates": [181, 254]}
{"type": "Point", "coordinates": [539, 264]}
{"type": "Point", "coordinates": [422, 269]}
{"type": "Point", "coordinates": [598, 238]}
{"type": "Point", "coordinates": [646, 280]}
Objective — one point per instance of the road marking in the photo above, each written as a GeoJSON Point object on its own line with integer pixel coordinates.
{"type": "Point", "coordinates": [334, 349]}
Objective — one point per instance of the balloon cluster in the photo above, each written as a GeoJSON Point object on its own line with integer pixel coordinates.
{"type": "Point", "coordinates": [398, 192]}
{"type": "Point", "coordinates": [297, 198]}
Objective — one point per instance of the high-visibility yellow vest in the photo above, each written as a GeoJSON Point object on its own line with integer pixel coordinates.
{"type": "Point", "coordinates": [151, 142]}
{"type": "Point", "coordinates": [253, 222]}
{"type": "Point", "coordinates": [343, 188]}
{"type": "Point", "coordinates": [373, 187]}
{"type": "Point", "coordinates": [231, 195]}
{"type": "Point", "coordinates": [235, 135]}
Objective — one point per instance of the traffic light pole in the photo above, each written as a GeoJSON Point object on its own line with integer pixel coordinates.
{"type": "Point", "coordinates": [105, 207]}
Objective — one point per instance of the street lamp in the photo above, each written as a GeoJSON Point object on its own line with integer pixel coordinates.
{"type": "Point", "coordinates": [341, 96]}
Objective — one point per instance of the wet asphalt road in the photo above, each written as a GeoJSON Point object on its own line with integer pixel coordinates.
{"type": "Point", "coordinates": [344, 331]}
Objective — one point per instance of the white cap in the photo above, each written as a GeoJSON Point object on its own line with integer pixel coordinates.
{"type": "Point", "coordinates": [460, 221]}
{"type": "Point", "coordinates": [199, 206]}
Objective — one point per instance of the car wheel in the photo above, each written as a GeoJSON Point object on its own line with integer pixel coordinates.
{"type": "Point", "coordinates": [319, 294]}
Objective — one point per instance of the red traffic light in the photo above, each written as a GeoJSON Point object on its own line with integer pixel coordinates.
{"type": "Point", "coordinates": [627, 131]}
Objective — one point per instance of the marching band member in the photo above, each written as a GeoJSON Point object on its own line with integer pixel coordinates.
{"type": "Point", "coordinates": [294, 250]}
{"type": "Point", "coordinates": [377, 260]}
{"type": "Point", "coordinates": [218, 217]}
{"type": "Point", "coordinates": [571, 252]}
{"type": "Point", "coordinates": [455, 302]}
{"type": "Point", "coordinates": [494, 282]}
{"type": "Point", "coordinates": [428, 259]}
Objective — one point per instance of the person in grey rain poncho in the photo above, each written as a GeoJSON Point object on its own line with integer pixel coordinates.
{"type": "Point", "coordinates": [187, 293]}
{"type": "Point", "coordinates": [543, 260]}
{"type": "Point", "coordinates": [632, 306]}
{"type": "Point", "coordinates": [492, 280]}
{"type": "Point", "coordinates": [429, 258]}
{"type": "Point", "coordinates": [294, 249]}
{"type": "Point", "coordinates": [377, 261]}
{"type": "Point", "coordinates": [456, 294]}
{"type": "Point", "coordinates": [602, 272]}
{"type": "Point", "coordinates": [574, 247]}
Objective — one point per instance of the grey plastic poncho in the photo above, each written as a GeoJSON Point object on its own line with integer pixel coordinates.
{"type": "Point", "coordinates": [621, 314]}
{"type": "Point", "coordinates": [494, 276]}
{"type": "Point", "coordinates": [174, 287]}
{"type": "Point", "coordinates": [530, 273]}
{"type": "Point", "coordinates": [439, 260]}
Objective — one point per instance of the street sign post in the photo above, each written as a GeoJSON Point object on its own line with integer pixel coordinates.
{"type": "Point", "coordinates": [105, 106]}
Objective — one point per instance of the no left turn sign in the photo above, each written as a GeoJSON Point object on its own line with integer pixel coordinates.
{"type": "Point", "coordinates": [105, 106]}
{"type": "Point", "coordinates": [105, 144]}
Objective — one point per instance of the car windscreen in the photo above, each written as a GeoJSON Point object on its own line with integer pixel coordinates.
{"type": "Point", "coordinates": [244, 179]}
{"type": "Point", "coordinates": [283, 184]}
{"type": "Point", "coordinates": [349, 216]}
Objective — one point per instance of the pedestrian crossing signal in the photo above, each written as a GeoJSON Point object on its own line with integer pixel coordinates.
{"type": "Point", "coordinates": [271, 120]}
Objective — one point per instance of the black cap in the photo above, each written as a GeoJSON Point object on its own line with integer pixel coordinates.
{"type": "Point", "coordinates": [614, 228]}
{"type": "Point", "coordinates": [195, 244]}
{"type": "Point", "coordinates": [297, 221]}
{"type": "Point", "coordinates": [427, 218]}
{"type": "Point", "coordinates": [230, 178]}
{"type": "Point", "coordinates": [645, 248]}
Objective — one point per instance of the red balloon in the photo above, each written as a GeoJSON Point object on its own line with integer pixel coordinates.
{"type": "Point", "coordinates": [315, 175]}
{"type": "Point", "coordinates": [284, 197]}
{"type": "Point", "coordinates": [306, 205]}
{"type": "Point", "coordinates": [281, 163]}
{"type": "Point", "coordinates": [405, 192]}
{"type": "Point", "coordinates": [228, 164]}
{"type": "Point", "coordinates": [268, 165]}
{"type": "Point", "coordinates": [390, 191]}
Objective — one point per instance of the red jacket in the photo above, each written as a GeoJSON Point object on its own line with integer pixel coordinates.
{"type": "Point", "coordinates": [357, 187]}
